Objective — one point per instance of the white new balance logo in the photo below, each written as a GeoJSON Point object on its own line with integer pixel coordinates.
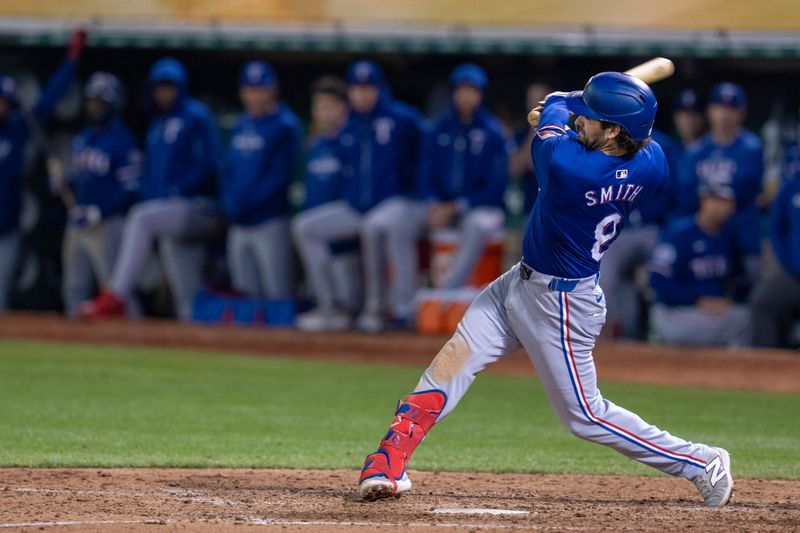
{"type": "Point", "coordinates": [718, 470]}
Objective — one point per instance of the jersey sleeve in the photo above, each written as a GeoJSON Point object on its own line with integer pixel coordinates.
{"type": "Point", "coordinates": [552, 131]}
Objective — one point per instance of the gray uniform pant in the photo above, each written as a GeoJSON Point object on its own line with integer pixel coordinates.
{"type": "Point", "coordinates": [385, 234]}
{"type": "Point", "coordinates": [179, 225]}
{"type": "Point", "coordinates": [558, 331]}
{"type": "Point", "coordinates": [694, 326]}
{"type": "Point", "coordinates": [88, 255]}
{"type": "Point", "coordinates": [617, 271]}
{"type": "Point", "coordinates": [774, 307]}
{"type": "Point", "coordinates": [477, 227]}
{"type": "Point", "coordinates": [259, 259]}
{"type": "Point", "coordinates": [9, 247]}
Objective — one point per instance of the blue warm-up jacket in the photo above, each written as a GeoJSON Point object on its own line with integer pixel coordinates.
{"type": "Point", "coordinates": [182, 154]}
{"type": "Point", "coordinates": [379, 152]}
{"type": "Point", "coordinates": [106, 167]}
{"type": "Point", "coordinates": [261, 159]}
{"type": "Point", "coordinates": [465, 162]}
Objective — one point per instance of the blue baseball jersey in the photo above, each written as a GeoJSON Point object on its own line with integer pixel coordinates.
{"type": "Point", "coordinates": [105, 168]}
{"type": "Point", "coordinates": [465, 162]}
{"type": "Point", "coordinates": [260, 164]}
{"type": "Point", "coordinates": [739, 166]}
{"type": "Point", "coordinates": [14, 136]}
{"type": "Point", "coordinates": [323, 173]}
{"type": "Point", "coordinates": [688, 264]}
{"type": "Point", "coordinates": [379, 152]}
{"type": "Point", "coordinates": [530, 185]}
{"type": "Point", "coordinates": [585, 196]}
{"type": "Point", "coordinates": [182, 152]}
{"type": "Point", "coordinates": [785, 224]}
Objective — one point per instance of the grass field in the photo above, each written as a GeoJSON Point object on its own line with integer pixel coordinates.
{"type": "Point", "coordinates": [71, 405]}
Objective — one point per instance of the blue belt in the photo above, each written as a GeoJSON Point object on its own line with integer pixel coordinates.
{"type": "Point", "coordinates": [563, 285]}
{"type": "Point", "coordinates": [555, 284]}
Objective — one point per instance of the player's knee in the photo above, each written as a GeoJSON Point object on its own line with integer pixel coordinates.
{"type": "Point", "coordinates": [577, 426]}
{"type": "Point", "coordinates": [299, 228]}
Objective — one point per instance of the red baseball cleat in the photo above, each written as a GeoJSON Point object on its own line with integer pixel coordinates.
{"type": "Point", "coordinates": [106, 305]}
{"type": "Point", "coordinates": [384, 473]}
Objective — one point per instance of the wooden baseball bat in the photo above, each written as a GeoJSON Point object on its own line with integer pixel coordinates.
{"type": "Point", "coordinates": [656, 69]}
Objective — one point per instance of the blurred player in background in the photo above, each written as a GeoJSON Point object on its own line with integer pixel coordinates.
{"type": "Point", "coordinates": [732, 156]}
{"type": "Point", "coordinates": [261, 157]}
{"type": "Point", "coordinates": [688, 117]}
{"type": "Point", "coordinates": [178, 209]}
{"type": "Point", "coordinates": [104, 173]}
{"type": "Point", "coordinates": [17, 126]}
{"type": "Point", "coordinates": [689, 271]}
{"type": "Point", "coordinates": [336, 299]}
{"type": "Point", "coordinates": [775, 305]}
{"type": "Point", "coordinates": [378, 148]}
{"type": "Point", "coordinates": [520, 164]}
{"type": "Point", "coordinates": [464, 172]}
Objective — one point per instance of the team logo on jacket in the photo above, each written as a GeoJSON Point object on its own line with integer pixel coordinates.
{"type": "Point", "coordinates": [477, 138]}
{"type": "Point", "coordinates": [622, 174]}
{"type": "Point", "coordinates": [383, 130]}
{"type": "Point", "coordinates": [172, 128]}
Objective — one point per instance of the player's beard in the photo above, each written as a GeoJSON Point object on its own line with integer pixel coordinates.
{"type": "Point", "coordinates": [586, 141]}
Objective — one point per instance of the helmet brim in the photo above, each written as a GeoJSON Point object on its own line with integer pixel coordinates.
{"type": "Point", "coordinates": [577, 106]}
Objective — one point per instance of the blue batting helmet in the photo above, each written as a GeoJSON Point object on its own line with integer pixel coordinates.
{"type": "Point", "coordinates": [105, 86]}
{"type": "Point", "coordinates": [8, 89]}
{"type": "Point", "coordinates": [471, 74]}
{"type": "Point", "coordinates": [617, 98]}
{"type": "Point", "coordinates": [258, 74]}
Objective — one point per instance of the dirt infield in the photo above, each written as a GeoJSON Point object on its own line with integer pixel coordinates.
{"type": "Point", "coordinates": [766, 370]}
{"type": "Point", "coordinates": [154, 500]}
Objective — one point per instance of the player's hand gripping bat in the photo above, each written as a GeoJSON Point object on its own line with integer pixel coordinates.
{"type": "Point", "coordinates": [651, 71]}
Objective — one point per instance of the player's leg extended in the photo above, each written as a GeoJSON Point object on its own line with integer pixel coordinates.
{"type": "Point", "coordinates": [271, 246]}
{"type": "Point", "coordinates": [558, 330]}
{"type": "Point", "coordinates": [477, 228]}
{"type": "Point", "coordinates": [144, 223]}
{"type": "Point", "coordinates": [483, 337]}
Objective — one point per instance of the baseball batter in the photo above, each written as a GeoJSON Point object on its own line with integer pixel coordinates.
{"type": "Point", "coordinates": [551, 304]}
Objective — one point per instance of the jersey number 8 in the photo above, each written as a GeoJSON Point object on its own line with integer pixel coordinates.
{"type": "Point", "coordinates": [605, 232]}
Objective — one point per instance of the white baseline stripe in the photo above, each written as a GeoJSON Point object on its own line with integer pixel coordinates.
{"type": "Point", "coordinates": [79, 523]}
